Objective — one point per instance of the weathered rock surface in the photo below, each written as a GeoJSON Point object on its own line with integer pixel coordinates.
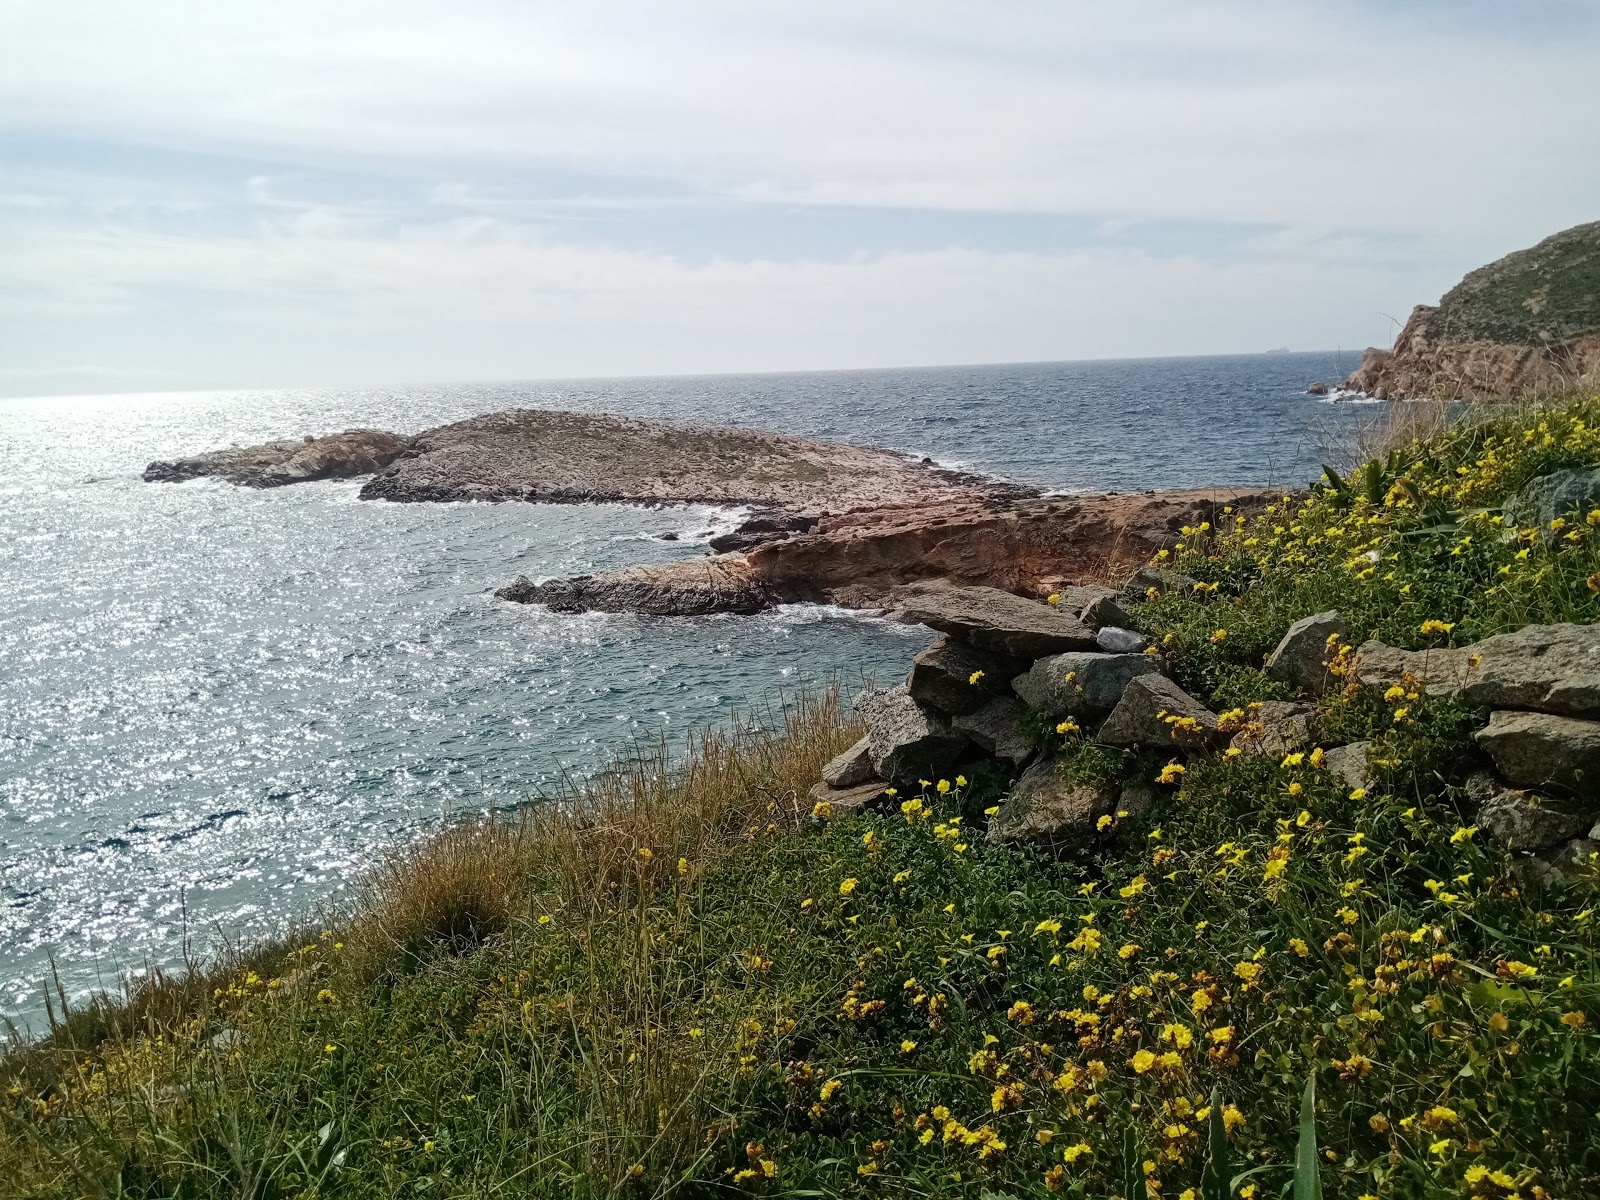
{"type": "Point", "coordinates": [1104, 611]}
{"type": "Point", "coordinates": [1163, 580]}
{"type": "Point", "coordinates": [757, 530]}
{"type": "Point", "coordinates": [1542, 500]}
{"type": "Point", "coordinates": [1097, 683]}
{"type": "Point", "coordinates": [996, 728]}
{"type": "Point", "coordinates": [1276, 728]}
{"type": "Point", "coordinates": [1140, 717]}
{"type": "Point", "coordinates": [1120, 641]}
{"type": "Point", "coordinates": [695, 587]}
{"type": "Point", "coordinates": [1046, 809]}
{"type": "Point", "coordinates": [847, 799]}
{"type": "Point", "coordinates": [297, 460]}
{"type": "Point", "coordinates": [1545, 668]}
{"type": "Point", "coordinates": [849, 769]}
{"type": "Point", "coordinates": [1349, 764]}
{"type": "Point", "coordinates": [1300, 657]}
{"type": "Point", "coordinates": [874, 558]}
{"type": "Point", "coordinates": [995, 621]}
{"type": "Point", "coordinates": [1538, 750]}
{"type": "Point", "coordinates": [941, 676]}
{"type": "Point", "coordinates": [1527, 323]}
{"type": "Point", "coordinates": [908, 742]}
{"type": "Point", "coordinates": [1521, 820]}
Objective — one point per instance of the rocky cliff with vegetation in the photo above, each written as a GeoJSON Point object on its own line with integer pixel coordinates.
{"type": "Point", "coordinates": [1526, 324]}
{"type": "Point", "coordinates": [1271, 870]}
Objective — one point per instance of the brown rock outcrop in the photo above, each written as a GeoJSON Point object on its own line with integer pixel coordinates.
{"type": "Point", "coordinates": [1030, 547]}
{"type": "Point", "coordinates": [1524, 324]}
{"type": "Point", "coordinates": [296, 460]}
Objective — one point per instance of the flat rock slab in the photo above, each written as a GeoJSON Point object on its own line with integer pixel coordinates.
{"type": "Point", "coordinates": [996, 621]}
{"type": "Point", "coordinates": [1044, 808]}
{"type": "Point", "coordinates": [909, 742]}
{"type": "Point", "coordinates": [996, 728]}
{"type": "Point", "coordinates": [846, 800]}
{"type": "Point", "coordinates": [1539, 750]}
{"type": "Point", "coordinates": [957, 678]}
{"type": "Point", "coordinates": [1544, 668]}
{"type": "Point", "coordinates": [1349, 764]}
{"type": "Point", "coordinates": [1156, 713]}
{"type": "Point", "coordinates": [692, 588]}
{"type": "Point", "coordinates": [296, 460]}
{"type": "Point", "coordinates": [1115, 640]}
{"type": "Point", "coordinates": [1520, 819]}
{"type": "Point", "coordinates": [1096, 682]}
{"type": "Point", "coordinates": [1300, 659]}
{"type": "Point", "coordinates": [852, 768]}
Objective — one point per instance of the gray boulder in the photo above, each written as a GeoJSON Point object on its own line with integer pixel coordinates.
{"type": "Point", "coordinates": [941, 676]}
{"type": "Point", "coordinates": [1096, 684]}
{"type": "Point", "coordinates": [1044, 808]}
{"type": "Point", "coordinates": [1566, 858]}
{"type": "Point", "coordinates": [996, 728]}
{"type": "Point", "coordinates": [1103, 611]}
{"type": "Point", "coordinates": [1349, 765]}
{"type": "Point", "coordinates": [1301, 654]}
{"type": "Point", "coordinates": [1162, 579]}
{"type": "Point", "coordinates": [908, 742]}
{"type": "Point", "coordinates": [1140, 717]}
{"type": "Point", "coordinates": [848, 799]}
{"type": "Point", "coordinates": [996, 621]}
{"type": "Point", "coordinates": [1538, 750]}
{"type": "Point", "coordinates": [1075, 598]}
{"type": "Point", "coordinates": [1114, 640]}
{"type": "Point", "coordinates": [1526, 822]}
{"type": "Point", "coordinates": [1277, 727]}
{"type": "Point", "coordinates": [1557, 494]}
{"type": "Point", "coordinates": [1138, 797]}
{"type": "Point", "coordinates": [850, 769]}
{"type": "Point", "coordinates": [1546, 668]}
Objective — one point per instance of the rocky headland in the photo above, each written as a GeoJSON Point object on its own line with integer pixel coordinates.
{"type": "Point", "coordinates": [1526, 324]}
{"type": "Point", "coordinates": [830, 523]}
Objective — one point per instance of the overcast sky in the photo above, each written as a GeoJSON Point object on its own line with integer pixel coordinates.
{"type": "Point", "coordinates": [304, 193]}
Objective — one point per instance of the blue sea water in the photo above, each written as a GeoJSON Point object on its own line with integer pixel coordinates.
{"type": "Point", "coordinates": [219, 706]}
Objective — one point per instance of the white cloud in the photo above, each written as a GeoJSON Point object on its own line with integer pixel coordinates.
{"type": "Point", "coordinates": [1377, 153]}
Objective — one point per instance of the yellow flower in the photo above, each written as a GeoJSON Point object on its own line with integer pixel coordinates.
{"type": "Point", "coordinates": [1433, 626]}
{"type": "Point", "coordinates": [1171, 773]}
{"type": "Point", "coordinates": [1067, 727]}
{"type": "Point", "coordinates": [1103, 824]}
{"type": "Point", "coordinates": [1247, 971]}
{"type": "Point", "coordinates": [847, 887]}
{"type": "Point", "coordinates": [822, 810]}
{"type": "Point", "coordinates": [908, 1047]}
{"type": "Point", "coordinates": [944, 786]}
{"type": "Point", "coordinates": [1073, 1153]}
{"type": "Point", "coordinates": [1219, 636]}
{"type": "Point", "coordinates": [644, 853]}
{"type": "Point", "coordinates": [1127, 950]}
{"type": "Point", "coordinates": [974, 677]}
{"type": "Point", "coordinates": [1574, 1019]}
{"type": "Point", "coordinates": [1142, 1061]}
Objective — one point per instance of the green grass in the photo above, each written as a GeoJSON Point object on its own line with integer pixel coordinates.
{"type": "Point", "coordinates": [679, 982]}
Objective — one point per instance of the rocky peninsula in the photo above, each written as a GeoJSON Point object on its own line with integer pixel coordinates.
{"type": "Point", "coordinates": [1526, 324]}
{"type": "Point", "coordinates": [829, 522]}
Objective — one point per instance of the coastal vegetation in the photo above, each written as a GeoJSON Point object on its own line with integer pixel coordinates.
{"type": "Point", "coordinates": [687, 979]}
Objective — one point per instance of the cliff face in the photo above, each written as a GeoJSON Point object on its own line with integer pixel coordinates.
{"type": "Point", "coordinates": [1527, 323]}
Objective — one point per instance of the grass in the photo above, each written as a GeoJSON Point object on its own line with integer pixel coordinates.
{"type": "Point", "coordinates": [679, 982]}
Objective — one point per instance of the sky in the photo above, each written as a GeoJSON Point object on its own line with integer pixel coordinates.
{"type": "Point", "coordinates": [297, 193]}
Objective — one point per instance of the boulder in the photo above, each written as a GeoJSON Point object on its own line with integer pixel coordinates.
{"type": "Point", "coordinates": [1075, 598]}
{"type": "Point", "coordinates": [1546, 668]}
{"type": "Point", "coordinates": [996, 621]}
{"type": "Point", "coordinates": [848, 799]}
{"type": "Point", "coordinates": [1044, 808]}
{"type": "Point", "coordinates": [1096, 684]}
{"type": "Point", "coordinates": [1103, 611]}
{"type": "Point", "coordinates": [1301, 655]}
{"type": "Point", "coordinates": [1349, 764]}
{"type": "Point", "coordinates": [1114, 640]}
{"type": "Point", "coordinates": [1138, 797]}
{"type": "Point", "coordinates": [1566, 858]}
{"type": "Point", "coordinates": [1319, 388]}
{"type": "Point", "coordinates": [1140, 718]}
{"type": "Point", "coordinates": [1275, 727]}
{"type": "Point", "coordinates": [1163, 579]}
{"type": "Point", "coordinates": [1521, 820]}
{"type": "Point", "coordinates": [850, 769]}
{"type": "Point", "coordinates": [1557, 494]}
{"type": "Point", "coordinates": [908, 742]}
{"type": "Point", "coordinates": [1538, 750]}
{"type": "Point", "coordinates": [942, 675]}
{"type": "Point", "coordinates": [695, 587]}
{"type": "Point", "coordinates": [996, 728]}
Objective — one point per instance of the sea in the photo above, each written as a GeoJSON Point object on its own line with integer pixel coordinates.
{"type": "Point", "coordinates": [220, 706]}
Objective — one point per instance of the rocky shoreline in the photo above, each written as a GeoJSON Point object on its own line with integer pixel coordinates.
{"type": "Point", "coordinates": [830, 523]}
